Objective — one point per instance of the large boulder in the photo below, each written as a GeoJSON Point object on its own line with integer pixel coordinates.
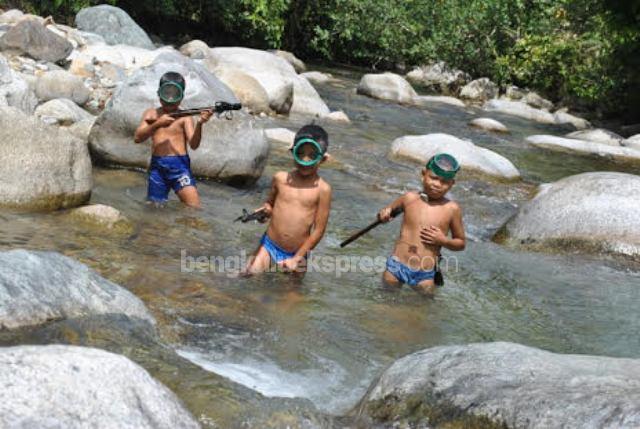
{"type": "Point", "coordinates": [288, 92]}
{"type": "Point", "coordinates": [387, 86]}
{"type": "Point", "coordinates": [479, 90]}
{"type": "Point", "coordinates": [37, 287]}
{"type": "Point", "coordinates": [280, 137]}
{"type": "Point", "coordinates": [584, 147]}
{"type": "Point", "coordinates": [59, 386]}
{"type": "Point", "coordinates": [61, 84]}
{"type": "Point", "coordinates": [195, 49]}
{"type": "Point", "coordinates": [439, 77]}
{"type": "Point", "coordinates": [14, 90]}
{"type": "Point", "coordinates": [519, 109]}
{"type": "Point", "coordinates": [114, 25]}
{"type": "Point", "coordinates": [505, 385]}
{"type": "Point", "coordinates": [11, 16]}
{"type": "Point", "coordinates": [248, 90]}
{"type": "Point", "coordinates": [592, 210]}
{"type": "Point", "coordinates": [62, 111]}
{"type": "Point", "coordinates": [43, 167]}
{"type": "Point", "coordinates": [296, 62]}
{"type": "Point", "coordinates": [32, 38]}
{"type": "Point", "coordinates": [489, 124]}
{"type": "Point", "coordinates": [470, 156]}
{"type": "Point", "coordinates": [232, 151]}
{"type": "Point", "coordinates": [597, 135]}
{"type": "Point", "coordinates": [632, 142]}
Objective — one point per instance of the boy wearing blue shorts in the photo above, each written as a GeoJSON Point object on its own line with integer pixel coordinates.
{"type": "Point", "coordinates": [170, 164]}
{"type": "Point", "coordinates": [428, 218]}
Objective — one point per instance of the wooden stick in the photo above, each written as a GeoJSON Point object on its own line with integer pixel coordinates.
{"type": "Point", "coordinates": [395, 212]}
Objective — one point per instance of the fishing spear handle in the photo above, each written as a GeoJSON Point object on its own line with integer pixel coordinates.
{"type": "Point", "coordinates": [395, 212]}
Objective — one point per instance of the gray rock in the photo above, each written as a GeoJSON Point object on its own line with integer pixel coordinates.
{"type": "Point", "coordinates": [316, 77]}
{"type": "Point", "coordinates": [470, 156]}
{"type": "Point", "coordinates": [61, 84]}
{"type": "Point", "coordinates": [195, 49]}
{"type": "Point", "coordinates": [632, 142]}
{"type": "Point", "coordinates": [387, 86]}
{"type": "Point", "coordinates": [65, 111]}
{"type": "Point", "coordinates": [281, 137]}
{"type": "Point", "coordinates": [515, 93]}
{"type": "Point", "coordinates": [306, 100]}
{"type": "Point", "coordinates": [429, 100]}
{"type": "Point", "coordinates": [59, 386]}
{"type": "Point", "coordinates": [597, 135]}
{"type": "Point", "coordinates": [231, 151]}
{"type": "Point", "coordinates": [114, 25]}
{"type": "Point", "coordinates": [128, 58]}
{"type": "Point", "coordinates": [11, 16]}
{"type": "Point", "coordinates": [296, 62]}
{"type": "Point", "coordinates": [32, 38]}
{"type": "Point", "coordinates": [519, 109]}
{"type": "Point", "coordinates": [82, 129]}
{"type": "Point", "coordinates": [15, 90]}
{"type": "Point", "coordinates": [561, 118]}
{"type": "Point", "coordinates": [535, 100]}
{"type": "Point", "coordinates": [584, 147]}
{"type": "Point", "coordinates": [37, 287]}
{"type": "Point", "coordinates": [479, 90]}
{"type": "Point", "coordinates": [489, 125]}
{"type": "Point", "coordinates": [43, 167]}
{"type": "Point", "coordinates": [597, 210]}
{"type": "Point", "coordinates": [439, 77]}
{"type": "Point", "coordinates": [510, 384]}
{"type": "Point", "coordinates": [338, 116]}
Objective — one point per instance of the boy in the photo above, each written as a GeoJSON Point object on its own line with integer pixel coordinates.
{"type": "Point", "coordinates": [428, 218]}
{"type": "Point", "coordinates": [170, 164]}
{"type": "Point", "coordinates": [298, 205]}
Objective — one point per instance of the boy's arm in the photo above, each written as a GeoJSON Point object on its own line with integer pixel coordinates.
{"type": "Point", "coordinates": [267, 206]}
{"type": "Point", "coordinates": [319, 226]}
{"type": "Point", "coordinates": [148, 125]}
{"type": "Point", "coordinates": [194, 133]}
{"type": "Point", "coordinates": [433, 236]}
{"type": "Point", "coordinates": [385, 214]}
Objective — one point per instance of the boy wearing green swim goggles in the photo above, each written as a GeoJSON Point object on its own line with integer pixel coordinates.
{"type": "Point", "coordinates": [298, 207]}
{"type": "Point", "coordinates": [428, 219]}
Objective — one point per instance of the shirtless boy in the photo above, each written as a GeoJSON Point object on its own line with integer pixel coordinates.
{"type": "Point", "coordinates": [170, 164]}
{"type": "Point", "coordinates": [298, 206]}
{"type": "Point", "coordinates": [428, 219]}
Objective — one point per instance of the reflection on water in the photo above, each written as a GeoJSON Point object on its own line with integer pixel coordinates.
{"type": "Point", "coordinates": [327, 338]}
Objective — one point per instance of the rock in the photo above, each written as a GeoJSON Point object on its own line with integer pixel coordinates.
{"type": "Point", "coordinates": [534, 100]}
{"type": "Point", "coordinates": [338, 116]}
{"type": "Point", "coordinates": [248, 90]}
{"type": "Point", "coordinates": [114, 25]}
{"type": "Point", "coordinates": [297, 64]}
{"type": "Point", "coordinates": [519, 109]}
{"type": "Point", "coordinates": [44, 168]}
{"type": "Point", "coordinates": [14, 90]}
{"type": "Point", "coordinates": [128, 58]}
{"type": "Point", "coordinates": [113, 73]}
{"type": "Point", "coordinates": [63, 110]}
{"type": "Point", "coordinates": [479, 90]}
{"type": "Point", "coordinates": [11, 16]}
{"type": "Point", "coordinates": [59, 386]}
{"type": "Point", "coordinates": [288, 92]}
{"type": "Point", "coordinates": [387, 86]}
{"type": "Point", "coordinates": [316, 77]}
{"type": "Point", "coordinates": [439, 77]}
{"type": "Point", "coordinates": [82, 129]}
{"type": "Point", "coordinates": [61, 84]}
{"type": "Point", "coordinates": [195, 49]}
{"type": "Point", "coordinates": [597, 135]}
{"type": "Point", "coordinates": [427, 100]}
{"type": "Point", "coordinates": [32, 38]}
{"type": "Point", "coordinates": [505, 385]}
{"type": "Point", "coordinates": [231, 151]}
{"type": "Point", "coordinates": [515, 93]}
{"type": "Point", "coordinates": [489, 125]}
{"type": "Point", "coordinates": [282, 137]}
{"type": "Point", "coordinates": [470, 156]}
{"type": "Point", "coordinates": [102, 216]}
{"type": "Point", "coordinates": [584, 147]}
{"type": "Point", "coordinates": [632, 142]}
{"type": "Point", "coordinates": [590, 210]}
{"type": "Point", "coordinates": [565, 118]}
{"type": "Point", "coordinates": [37, 287]}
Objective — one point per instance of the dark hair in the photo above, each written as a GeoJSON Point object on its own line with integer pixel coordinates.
{"type": "Point", "coordinates": [173, 77]}
{"type": "Point", "coordinates": [316, 132]}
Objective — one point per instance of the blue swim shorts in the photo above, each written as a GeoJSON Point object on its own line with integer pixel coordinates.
{"type": "Point", "coordinates": [405, 274]}
{"type": "Point", "coordinates": [168, 172]}
{"type": "Point", "coordinates": [277, 253]}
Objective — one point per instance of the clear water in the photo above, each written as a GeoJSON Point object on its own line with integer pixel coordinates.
{"type": "Point", "coordinates": [327, 338]}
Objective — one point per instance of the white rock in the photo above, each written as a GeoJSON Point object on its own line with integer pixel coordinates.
{"type": "Point", "coordinates": [470, 156]}
{"type": "Point", "coordinates": [248, 90]}
{"type": "Point", "coordinates": [489, 125]}
{"type": "Point", "coordinates": [597, 135]}
{"type": "Point", "coordinates": [296, 62]}
{"type": "Point", "coordinates": [566, 118]}
{"type": "Point", "coordinates": [282, 137]}
{"type": "Point", "coordinates": [11, 16]}
{"type": "Point", "coordinates": [519, 109]}
{"type": "Point", "coordinates": [535, 100]}
{"type": "Point", "coordinates": [584, 147]}
{"type": "Point", "coordinates": [101, 215]}
{"type": "Point", "coordinates": [82, 129]}
{"type": "Point", "coordinates": [479, 90]}
{"type": "Point", "coordinates": [195, 49]}
{"type": "Point", "coordinates": [65, 111]}
{"type": "Point", "coordinates": [632, 142]}
{"type": "Point", "coordinates": [387, 86]}
{"type": "Point", "coordinates": [426, 100]}
{"type": "Point", "coordinates": [338, 116]}
{"type": "Point", "coordinates": [15, 90]}
{"type": "Point", "coordinates": [317, 77]}
{"type": "Point", "coordinates": [61, 84]}
{"type": "Point", "coordinates": [515, 93]}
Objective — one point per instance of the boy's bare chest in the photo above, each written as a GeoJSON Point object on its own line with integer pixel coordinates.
{"type": "Point", "coordinates": [171, 132]}
{"type": "Point", "coordinates": [423, 215]}
{"type": "Point", "coordinates": [303, 197]}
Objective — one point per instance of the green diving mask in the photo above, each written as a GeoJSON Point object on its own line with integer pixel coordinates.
{"type": "Point", "coordinates": [171, 92]}
{"type": "Point", "coordinates": [444, 165]}
{"type": "Point", "coordinates": [297, 155]}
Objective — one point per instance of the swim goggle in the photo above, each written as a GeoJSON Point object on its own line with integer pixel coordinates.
{"type": "Point", "coordinates": [318, 152]}
{"type": "Point", "coordinates": [171, 92]}
{"type": "Point", "coordinates": [444, 165]}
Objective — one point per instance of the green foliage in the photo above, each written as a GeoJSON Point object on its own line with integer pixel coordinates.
{"type": "Point", "coordinates": [259, 23]}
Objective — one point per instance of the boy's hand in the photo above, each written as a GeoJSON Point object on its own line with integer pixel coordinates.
{"type": "Point", "coordinates": [163, 121]}
{"type": "Point", "coordinates": [385, 214]}
{"type": "Point", "coordinates": [290, 265]}
{"type": "Point", "coordinates": [205, 115]}
{"type": "Point", "coordinates": [433, 236]}
{"type": "Point", "coordinates": [266, 209]}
